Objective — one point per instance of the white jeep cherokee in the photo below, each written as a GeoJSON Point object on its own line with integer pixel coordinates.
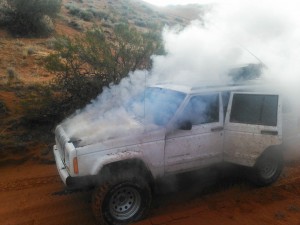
{"type": "Point", "coordinates": [190, 128]}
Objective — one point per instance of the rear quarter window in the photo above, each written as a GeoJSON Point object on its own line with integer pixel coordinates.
{"type": "Point", "coordinates": [254, 109]}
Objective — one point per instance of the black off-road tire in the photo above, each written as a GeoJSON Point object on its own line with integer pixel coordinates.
{"type": "Point", "coordinates": [267, 168]}
{"type": "Point", "coordinates": [122, 201]}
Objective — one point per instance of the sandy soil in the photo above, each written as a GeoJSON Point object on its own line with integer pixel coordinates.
{"type": "Point", "coordinates": [26, 198]}
{"type": "Point", "coordinates": [206, 197]}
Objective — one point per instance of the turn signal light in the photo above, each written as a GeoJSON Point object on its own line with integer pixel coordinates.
{"type": "Point", "coordinates": [75, 165]}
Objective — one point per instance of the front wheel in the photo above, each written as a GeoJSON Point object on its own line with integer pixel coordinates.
{"type": "Point", "coordinates": [121, 202]}
{"type": "Point", "coordinates": [267, 168]}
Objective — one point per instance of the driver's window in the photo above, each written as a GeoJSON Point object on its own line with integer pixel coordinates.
{"type": "Point", "coordinates": [202, 109]}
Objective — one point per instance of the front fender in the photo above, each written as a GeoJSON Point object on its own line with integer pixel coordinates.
{"type": "Point", "coordinates": [116, 157]}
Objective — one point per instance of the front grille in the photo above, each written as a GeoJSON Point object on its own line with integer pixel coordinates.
{"type": "Point", "coordinates": [60, 148]}
{"type": "Point", "coordinates": [61, 141]}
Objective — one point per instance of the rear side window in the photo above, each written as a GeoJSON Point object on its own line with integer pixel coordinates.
{"type": "Point", "coordinates": [254, 109]}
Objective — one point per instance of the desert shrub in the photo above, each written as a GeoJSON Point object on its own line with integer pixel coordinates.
{"type": "Point", "coordinates": [28, 50]}
{"type": "Point", "coordinates": [147, 9]}
{"type": "Point", "coordinates": [30, 17]}
{"type": "Point", "coordinates": [11, 74]}
{"type": "Point", "coordinates": [19, 43]}
{"type": "Point", "coordinates": [74, 10]}
{"type": "Point", "coordinates": [50, 42]}
{"type": "Point", "coordinates": [86, 15]}
{"type": "Point", "coordinates": [100, 14]}
{"type": "Point", "coordinates": [68, 5]}
{"type": "Point", "coordinates": [85, 64]}
{"type": "Point", "coordinates": [140, 23]}
{"type": "Point", "coordinates": [31, 50]}
{"type": "Point", "coordinates": [74, 24]}
{"type": "Point", "coordinates": [108, 24]}
{"type": "Point", "coordinates": [154, 26]}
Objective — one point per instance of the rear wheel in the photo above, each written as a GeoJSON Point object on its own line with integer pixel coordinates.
{"type": "Point", "coordinates": [267, 168]}
{"type": "Point", "coordinates": [122, 201]}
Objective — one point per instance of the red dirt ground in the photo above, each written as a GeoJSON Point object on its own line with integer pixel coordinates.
{"type": "Point", "coordinates": [26, 193]}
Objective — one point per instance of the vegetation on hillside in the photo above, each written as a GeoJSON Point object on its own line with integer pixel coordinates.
{"type": "Point", "coordinates": [107, 40]}
{"type": "Point", "coordinates": [111, 13]}
{"type": "Point", "coordinates": [30, 17]}
{"type": "Point", "coordinates": [83, 65]}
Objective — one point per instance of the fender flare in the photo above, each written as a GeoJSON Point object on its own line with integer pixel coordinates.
{"type": "Point", "coordinates": [127, 158]}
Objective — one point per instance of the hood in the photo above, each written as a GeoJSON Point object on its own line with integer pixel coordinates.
{"type": "Point", "coordinates": [107, 131]}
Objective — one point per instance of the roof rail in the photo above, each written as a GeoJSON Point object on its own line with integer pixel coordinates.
{"type": "Point", "coordinates": [254, 82]}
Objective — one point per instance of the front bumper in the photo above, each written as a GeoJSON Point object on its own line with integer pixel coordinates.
{"type": "Point", "coordinates": [72, 182]}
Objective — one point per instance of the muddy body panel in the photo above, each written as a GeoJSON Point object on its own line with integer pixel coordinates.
{"type": "Point", "coordinates": [235, 124]}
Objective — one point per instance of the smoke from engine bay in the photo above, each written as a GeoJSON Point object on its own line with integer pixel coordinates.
{"type": "Point", "coordinates": [239, 32]}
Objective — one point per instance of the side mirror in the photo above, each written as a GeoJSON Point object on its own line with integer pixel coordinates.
{"type": "Point", "coordinates": [186, 125]}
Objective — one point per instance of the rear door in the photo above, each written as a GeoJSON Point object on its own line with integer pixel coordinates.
{"type": "Point", "coordinates": [253, 123]}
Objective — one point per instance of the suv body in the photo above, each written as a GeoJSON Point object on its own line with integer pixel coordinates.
{"type": "Point", "coordinates": [239, 124]}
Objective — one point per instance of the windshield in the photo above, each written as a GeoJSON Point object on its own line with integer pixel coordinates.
{"type": "Point", "coordinates": [159, 107]}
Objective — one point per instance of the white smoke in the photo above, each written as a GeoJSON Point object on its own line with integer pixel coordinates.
{"type": "Point", "coordinates": [195, 54]}
{"type": "Point", "coordinates": [269, 29]}
{"type": "Point", "coordinates": [105, 117]}
{"type": "Point", "coordinates": [234, 33]}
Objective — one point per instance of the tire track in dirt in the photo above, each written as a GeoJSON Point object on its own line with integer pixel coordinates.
{"type": "Point", "coordinates": [26, 199]}
{"type": "Point", "coordinates": [27, 183]}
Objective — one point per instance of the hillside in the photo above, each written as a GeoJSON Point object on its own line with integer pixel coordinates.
{"type": "Point", "coordinates": [23, 55]}
{"type": "Point", "coordinates": [22, 70]}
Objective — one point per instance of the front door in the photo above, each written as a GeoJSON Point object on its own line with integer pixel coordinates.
{"type": "Point", "coordinates": [253, 123]}
{"type": "Point", "coordinates": [198, 139]}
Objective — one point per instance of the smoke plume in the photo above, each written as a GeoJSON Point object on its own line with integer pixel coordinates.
{"type": "Point", "coordinates": [230, 34]}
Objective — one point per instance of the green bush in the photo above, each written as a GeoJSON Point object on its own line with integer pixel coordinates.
{"type": "Point", "coordinates": [12, 75]}
{"type": "Point", "coordinates": [86, 64]}
{"type": "Point", "coordinates": [30, 17]}
{"type": "Point", "coordinates": [100, 14]}
{"type": "Point", "coordinates": [86, 15]}
{"type": "Point", "coordinates": [83, 66]}
{"type": "Point", "coordinates": [74, 24]}
{"type": "Point", "coordinates": [74, 10]}
{"type": "Point", "coordinates": [140, 23]}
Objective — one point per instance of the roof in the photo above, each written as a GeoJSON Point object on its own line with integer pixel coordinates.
{"type": "Point", "coordinates": [212, 87]}
{"type": "Point", "coordinates": [244, 77]}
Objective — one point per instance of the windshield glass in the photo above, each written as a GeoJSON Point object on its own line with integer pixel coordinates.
{"type": "Point", "coordinates": [159, 107]}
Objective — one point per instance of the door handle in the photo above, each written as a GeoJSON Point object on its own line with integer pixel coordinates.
{"type": "Point", "coordinates": [270, 132]}
{"type": "Point", "coordinates": [215, 129]}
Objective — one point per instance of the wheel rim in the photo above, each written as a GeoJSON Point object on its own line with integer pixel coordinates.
{"type": "Point", "coordinates": [124, 203]}
{"type": "Point", "coordinates": [268, 168]}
